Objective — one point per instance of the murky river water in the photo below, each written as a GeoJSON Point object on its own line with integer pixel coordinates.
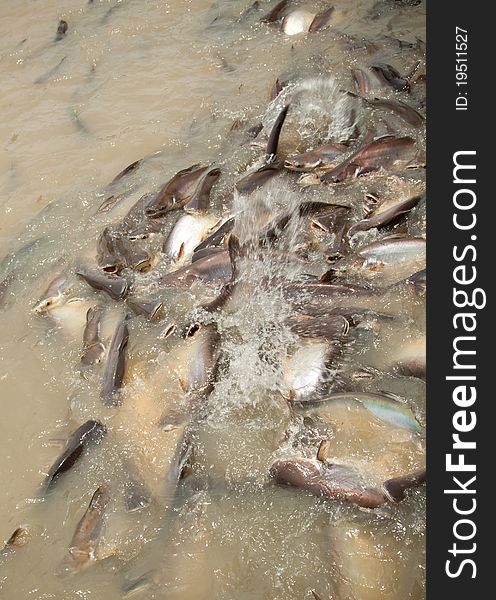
{"type": "Point", "coordinates": [166, 81]}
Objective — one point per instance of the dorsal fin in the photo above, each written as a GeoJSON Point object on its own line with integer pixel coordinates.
{"type": "Point", "coordinates": [276, 132]}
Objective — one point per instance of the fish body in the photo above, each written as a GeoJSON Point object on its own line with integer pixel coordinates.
{"type": "Point", "coordinates": [70, 317]}
{"type": "Point", "coordinates": [322, 20]}
{"type": "Point", "coordinates": [336, 482]}
{"type": "Point", "coordinates": [90, 431]}
{"type": "Point", "coordinates": [401, 109]}
{"type": "Point", "coordinates": [210, 269]}
{"type": "Point", "coordinates": [411, 359]}
{"type": "Point", "coordinates": [251, 182]}
{"type": "Point", "coordinates": [384, 407]}
{"type": "Point", "coordinates": [386, 261]}
{"type": "Point", "coordinates": [305, 371]}
{"type": "Point", "coordinates": [383, 152]}
{"type": "Point", "coordinates": [393, 250]}
{"type": "Point", "coordinates": [189, 231]}
{"type": "Point", "coordinates": [324, 156]}
{"type": "Point", "coordinates": [202, 351]}
{"type": "Point", "coordinates": [176, 192]}
{"type": "Point", "coordinates": [297, 21]}
{"type": "Point", "coordinates": [87, 536]}
{"type": "Point", "coordinates": [276, 13]}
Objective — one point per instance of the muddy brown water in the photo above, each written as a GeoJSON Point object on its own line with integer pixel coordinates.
{"type": "Point", "coordinates": [166, 81]}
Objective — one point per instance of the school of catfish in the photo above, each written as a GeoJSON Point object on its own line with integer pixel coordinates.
{"type": "Point", "coordinates": [264, 277]}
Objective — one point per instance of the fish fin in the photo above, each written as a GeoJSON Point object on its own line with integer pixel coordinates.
{"type": "Point", "coordinates": [273, 142]}
{"type": "Point", "coordinates": [329, 276]}
{"type": "Point", "coordinates": [183, 383]}
{"type": "Point", "coordinates": [393, 396]}
{"type": "Point", "coordinates": [321, 20]}
{"type": "Point", "coordinates": [180, 254]}
{"type": "Point", "coordinates": [105, 551]}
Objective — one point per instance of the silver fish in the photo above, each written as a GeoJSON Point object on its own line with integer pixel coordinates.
{"type": "Point", "coordinates": [307, 370]}
{"type": "Point", "coordinates": [385, 407]}
{"type": "Point", "coordinates": [202, 349]}
{"type": "Point", "coordinates": [382, 152]}
{"type": "Point", "coordinates": [322, 20]}
{"type": "Point", "coordinates": [188, 232]}
{"type": "Point", "coordinates": [212, 268]}
{"type": "Point", "coordinates": [107, 256]}
{"type": "Point", "coordinates": [388, 259]}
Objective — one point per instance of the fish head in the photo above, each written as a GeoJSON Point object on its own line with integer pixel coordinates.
{"type": "Point", "coordinates": [56, 295]}
{"type": "Point", "coordinates": [50, 301]}
{"type": "Point", "coordinates": [46, 304]}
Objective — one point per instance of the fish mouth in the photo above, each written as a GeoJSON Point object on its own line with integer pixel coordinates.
{"type": "Point", "coordinates": [191, 330]}
{"type": "Point", "coordinates": [111, 269]}
{"type": "Point", "coordinates": [168, 330]}
{"type": "Point", "coordinates": [40, 307]}
{"type": "Point", "coordinates": [143, 266]}
{"type": "Point", "coordinates": [155, 213]}
{"type": "Point", "coordinates": [293, 166]}
{"type": "Point", "coordinates": [43, 306]}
